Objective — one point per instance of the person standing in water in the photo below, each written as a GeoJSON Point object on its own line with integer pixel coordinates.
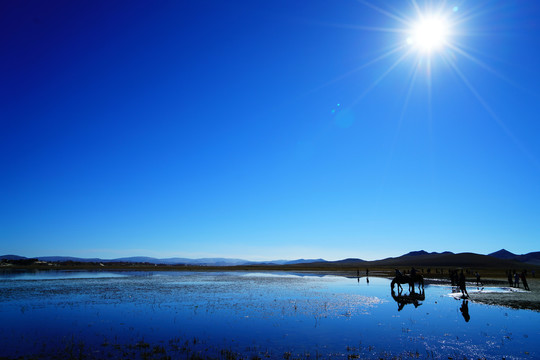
{"type": "Point", "coordinates": [462, 286]}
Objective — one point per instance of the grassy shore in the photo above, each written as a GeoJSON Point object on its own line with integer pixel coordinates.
{"type": "Point", "coordinates": [490, 276]}
{"type": "Point", "coordinates": [437, 272]}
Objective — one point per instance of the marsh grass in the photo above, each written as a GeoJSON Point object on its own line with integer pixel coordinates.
{"type": "Point", "coordinates": [317, 306]}
{"type": "Point", "coordinates": [189, 349]}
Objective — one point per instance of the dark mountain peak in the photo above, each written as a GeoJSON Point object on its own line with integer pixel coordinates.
{"type": "Point", "coordinates": [416, 253]}
{"type": "Point", "coordinates": [503, 254]}
{"type": "Point", "coordinates": [305, 261]}
{"type": "Point", "coordinates": [349, 260]}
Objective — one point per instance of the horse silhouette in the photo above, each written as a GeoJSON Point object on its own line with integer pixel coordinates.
{"type": "Point", "coordinates": [418, 279]}
{"type": "Point", "coordinates": [402, 279]}
{"type": "Point", "coordinates": [406, 279]}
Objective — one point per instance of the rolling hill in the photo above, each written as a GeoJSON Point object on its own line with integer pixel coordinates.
{"type": "Point", "coordinates": [532, 258]}
{"type": "Point", "coordinates": [421, 258]}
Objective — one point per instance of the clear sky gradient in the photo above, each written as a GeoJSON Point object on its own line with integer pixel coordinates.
{"type": "Point", "coordinates": [267, 129]}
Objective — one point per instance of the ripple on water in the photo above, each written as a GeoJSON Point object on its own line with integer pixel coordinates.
{"type": "Point", "coordinates": [268, 313]}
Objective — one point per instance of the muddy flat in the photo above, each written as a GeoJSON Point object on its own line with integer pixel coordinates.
{"type": "Point", "coordinates": [504, 295]}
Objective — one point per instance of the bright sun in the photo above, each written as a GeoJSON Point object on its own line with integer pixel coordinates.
{"type": "Point", "coordinates": [429, 34]}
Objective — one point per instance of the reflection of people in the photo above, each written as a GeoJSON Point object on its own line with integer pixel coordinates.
{"type": "Point", "coordinates": [462, 285]}
{"type": "Point", "coordinates": [465, 310]}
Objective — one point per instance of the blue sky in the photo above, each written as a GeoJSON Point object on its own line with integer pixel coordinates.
{"type": "Point", "coordinates": [267, 130]}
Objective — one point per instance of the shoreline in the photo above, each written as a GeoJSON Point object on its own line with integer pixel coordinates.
{"type": "Point", "coordinates": [491, 278]}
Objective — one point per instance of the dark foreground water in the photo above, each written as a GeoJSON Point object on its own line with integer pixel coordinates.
{"type": "Point", "coordinates": [229, 315]}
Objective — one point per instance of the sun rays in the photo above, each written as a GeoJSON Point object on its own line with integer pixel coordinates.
{"type": "Point", "coordinates": [428, 34]}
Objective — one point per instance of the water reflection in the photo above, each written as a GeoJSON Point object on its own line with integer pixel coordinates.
{"type": "Point", "coordinates": [58, 274]}
{"type": "Point", "coordinates": [260, 315]}
{"type": "Point", "coordinates": [465, 310]}
{"type": "Point", "coordinates": [411, 298]}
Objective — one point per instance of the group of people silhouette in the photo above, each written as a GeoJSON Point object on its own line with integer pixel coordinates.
{"type": "Point", "coordinates": [458, 279]}
{"type": "Point", "coordinates": [514, 277]}
{"type": "Point", "coordinates": [358, 275]}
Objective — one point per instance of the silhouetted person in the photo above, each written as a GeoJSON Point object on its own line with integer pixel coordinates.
{"type": "Point", "coordinates": [454, 277]}
{"type": "Point", "coordinates": [524, 280]}
{"type": "Point", "coordinates": [461, 283]}
{"type": "Point", "coordinates": [510, 282]}
{"type": "Point", "coordinates": [398, 273]}
{"type": "Point", "coordinates": [516, 279]}
{"type": "Point", "coordinates": [477, 279]}
{"type": "Point", "coordinates": [357, 273]}
{"type": "Point", "coordinates": [465, 310]}
{"type": "Point", "coordinates": [367, 272]}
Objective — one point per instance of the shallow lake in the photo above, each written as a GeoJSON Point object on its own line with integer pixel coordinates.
{"type": "Point", "coordinates": [249, 315]}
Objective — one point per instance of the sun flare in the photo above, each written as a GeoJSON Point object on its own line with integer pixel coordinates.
{"type": "Point", "coordinates": [429, 34]}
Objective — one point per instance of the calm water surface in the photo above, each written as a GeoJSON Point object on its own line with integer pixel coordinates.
{"type": "Point", "coordinates": [277, 315]}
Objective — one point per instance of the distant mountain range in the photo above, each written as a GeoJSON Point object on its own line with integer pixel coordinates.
{"type": "Point", "coordinates": [167, 261]}
{"type": "Point", "coordinates": [420, 258]}
{"type": "Point", "coordinates": [530, 258]}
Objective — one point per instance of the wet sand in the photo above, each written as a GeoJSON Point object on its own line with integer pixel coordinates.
{"type": "Point", "coordinates": [497, 292]}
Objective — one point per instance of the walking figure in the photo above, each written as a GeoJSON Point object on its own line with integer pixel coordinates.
{"type": "Point", "coordinates": [516, 279]}
{"type": "Point", "coordinates": [461, 283]}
